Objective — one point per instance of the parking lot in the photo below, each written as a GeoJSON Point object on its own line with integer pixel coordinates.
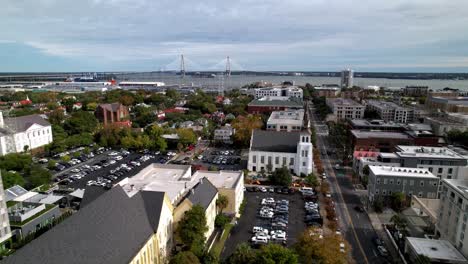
{"type": "Point", "coordinates": [223, 159]}
{"type": "Point", "coordinates": [242, 232]}
{"type": "Point", "coordinates": [101, 172]}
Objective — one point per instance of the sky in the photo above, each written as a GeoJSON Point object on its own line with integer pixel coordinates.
{"type": "Point", "coordinates": [263, 35]}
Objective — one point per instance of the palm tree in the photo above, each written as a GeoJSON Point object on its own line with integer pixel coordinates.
{"type": "Point", "coordinates": [222, 202]}
{"type": "Point", "coordinates": [399, 222]}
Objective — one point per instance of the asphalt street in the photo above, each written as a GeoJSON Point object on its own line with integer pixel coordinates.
{"type": "Point", "coordinates": [355, 226]}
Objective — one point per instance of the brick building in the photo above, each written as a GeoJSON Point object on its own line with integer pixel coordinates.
{"type": "Point", "coordinates": [112, 113]}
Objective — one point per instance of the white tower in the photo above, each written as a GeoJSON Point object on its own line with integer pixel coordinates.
{"type": "Point", "coordinates": [347, 77]}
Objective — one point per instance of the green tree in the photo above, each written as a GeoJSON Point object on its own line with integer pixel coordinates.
{"type": "Point", "coordinates": [222, 202]}
{"type": "Point", "coordinates": [399, 222]}
{"type": "Point", "coordinates": [11, 178]}
{"type": "Point", "coordinates": [185, 257]}
{"type": "Point", "coordinates": [186, 136]}
{"type": "Point", "coordinates": [56, 117]}
{"type": "Point", "coordinates": [398, 199]}
{"type": "Point", "coordinates": [276, 254]}
{"type": "Point", "coordinates": [80, 122]}
{"type": "Point", "coordinates": [281, 176]}
{"type": "Point", "coordinates": [221, 220]}
{"type": "Point", "coordinates": [37, 175]}
{"type": "Point", "coordinates": [378, 204]}
{"type": "Point", "coordinates": [51, 164]}
{"type": "Point", "coordinates": [192, 228]}
{"type": "Point", "coordinates": [91, 106]}
{"type": "Point", "coordinates": [312, 180]}
{"type": "Point", "coordinates": [315, 248]}
{"type": "Point", "coordinates": [243, 254]}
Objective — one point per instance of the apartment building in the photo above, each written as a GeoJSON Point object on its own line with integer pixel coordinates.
{"type": "Point", "coordinates": [327, 90]}
{"type": "Point", "coordinates": [441, 125]}
{"type": "Point", "coordinates": [443, 162]}
{"type": "Point", "coordinates": [382, 141]}
{"type": "Point", "coordinates": [415, 90]}
{"type": "Point", "coordinates": [456, 104]}
{"type": "Point", "coordinates": [273, 149]}
{"type": "Point", "coordinates": [5, 231]}
{"type": "Point", "coordinates": [453, 217]}
{"type": "Point", "coordinates": [347, 77]}
{"type": "Point", "coordinates": [385, 181]}
{"type": "Point", "coordinates": [288, 120]}
{"type": "Point", "coordinates": [345, 108]}
{"type": "Point", "coordinates": [266, 105]}
{"type": "Point", "coordinates": [389, 111]}
{"type": "Point", "coordinates": [278, 93]}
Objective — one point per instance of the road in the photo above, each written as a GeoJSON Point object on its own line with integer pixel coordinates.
{"type": "Point", "coordinates": [356, 226]}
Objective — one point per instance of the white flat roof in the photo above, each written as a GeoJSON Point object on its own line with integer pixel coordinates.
{"type": "Point", "coordinates": [174, 180]}
{"type": "Point", "coordinates": [289, 117]}
{"type": "Point", "coordinates": [436, 249]}
{"type": "Point", "coordinates": [427, 152]}
{"type": "Point", "coordinates": [221, 179]}
{"type": "Point", "coordinates": [401, 171]}
{"type": "Point", "coordinates": [78, 193]}
{"type": "Point", "coordinates": [459, 185]}
{"type": "Point", "coordinates": [25, 196]}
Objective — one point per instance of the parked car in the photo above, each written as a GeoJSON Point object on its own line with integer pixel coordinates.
{"type": "Point", "coordinates": [382, 251]}
{"type": "Point", "coordinates": [359, 209]}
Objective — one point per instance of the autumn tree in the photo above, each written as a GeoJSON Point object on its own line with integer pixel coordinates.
{"type": "Point", "coordinates": [315, 248]}
{"type": "Point", "coordinates": [244, 127]}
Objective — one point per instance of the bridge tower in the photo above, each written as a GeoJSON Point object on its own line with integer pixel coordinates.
{"type": "Point", "coordinates": [228, 66]}
{"type": "Point", "coordinates": [182, 66]}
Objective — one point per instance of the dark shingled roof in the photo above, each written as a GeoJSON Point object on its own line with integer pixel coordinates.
{"type": "Point", "coordinates": [275, 141]}
{"type": "Point", "coordinates": [202, 193]}
{"type": "Point", "coordinates": [112, 229]}
{"type": "Point", "coordinates": [22, 123]}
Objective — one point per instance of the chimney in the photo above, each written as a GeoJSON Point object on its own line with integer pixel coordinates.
{"type": "Point", "coordinates": [201, 180]}
{"type": "Point", "coordinates": [192, 191]}
{"type": "Point", "coordinates": [1, 119]}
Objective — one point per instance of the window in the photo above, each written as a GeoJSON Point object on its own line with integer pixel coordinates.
{"type": "Point", "coordinates": [254, 158]}
{"type": "Point", "coordinates": [303, 164]}
{"type": "Point", "coordinates": [430, 169]}
{"type": "Point", "coordinates": [291, 161]}
{"type": "Point", "coordinates": [376, 191]}
{"type": "Point", "coordinates": [420, 194]}
{"type": "Point", "coordinates": [384, 192]}
{"type": "Point", "coordinates": [269, 159]}
{"type": "Point", "coordinates": [440, 170]}
{"type": "Point", "coordinates": [284, 161]}
{"type": "Point", "coordinates": [276, 160]}
{"type": "Point", "coordinates": [450, 170]}
{"type": "Point", "coordinates": [398, 182]}
{"type": "Point", "coordinates": [421, 183]}
{"type": "Point", "coordinates": [262, 159]}
{"type": "Point", "coordinates": [391, 181]}
{"type": "Point", "coordinates": [378, 181]}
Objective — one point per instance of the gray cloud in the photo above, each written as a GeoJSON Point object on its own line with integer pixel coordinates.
{"type": "Point", "coordinates": [306, 34]}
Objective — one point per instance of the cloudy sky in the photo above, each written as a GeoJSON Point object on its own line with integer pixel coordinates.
{"type": "Point", "coordinates": [145, 35]}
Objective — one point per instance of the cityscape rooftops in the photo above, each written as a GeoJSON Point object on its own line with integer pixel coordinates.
{"type": "Point", "coordinates": [292, 117]}
{"type": "Point", "coordinates": [343, 101]}
{"type": "Point", "coordinates": [461, 186]}
{"type": "Point", "coordinates": [280, 103]}
{"type": "Point", "coordinates": [427, 152]}
{"type": "Point", "coordinates": [174, 180]}
{"type": "Point", "coordinates": [360, 134]}
{"type": "Point", "coordinates": [221, 179]}
{"type": "Point", "coordinates": [375, 124]}
{"type": "Point", "coordinates": [112, 229]}
{"type": "Point", "coordinates": [401, 172]}
{"type": "Point", "coordinates": [436, 250]}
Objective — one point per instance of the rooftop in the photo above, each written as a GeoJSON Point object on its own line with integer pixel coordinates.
{"type": "Point", "coordinates": [112, 229]}
{"type": "Point", "coordinates": [373, 123]}
{"type": "Point", "coordinates": [293, 117]}
{"type": "Point", "coordinates": [436, 250]}
{"type": "Point", "coordinates": [280, 103]}
{"type": "Point", "coordinates": [427, 152]}
{"type": "Point", "coordinates": [202, 193]}
{"type": "Point", "coordinates": [459, 185]}
{"type": "Point", "coordinates": [401, 171]}
{"type": "Point", "coordinates": [344, 101]}
{"type": "Point", "coordinates": [384, 104]}
{"type": "Point", "coordinates": [379, 134]}
{"type": "Point", "coordinates": [22, 123]}
{"type": "Point", "coordinates": [275, 141]}
{"type": "Point", "coordinates": [174, 180]}
{"type": "Point", "coordinates": [221, 179]}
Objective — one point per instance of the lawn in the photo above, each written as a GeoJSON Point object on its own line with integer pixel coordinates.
{"type": "Point", "coordinates": [219, 245]}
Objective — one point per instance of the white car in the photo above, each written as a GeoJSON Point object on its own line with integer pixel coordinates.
{"type": "Point", "coordinates": [118, 158]}
{"type": "Point", "coordinates": [266, 214]}
{"type": "Point", "coordinates": [259, 240]}
{"type": "Point", "coordinates": [258, 229]}
{"type": "Point", "coordinates": [266, 201]}
{"type": "Point", "coordinates": [113, 153]}
{"type": "Point", "coordinates": [112, 161]}
{"type": "Point", "coordinates": [278, 232]}
{"type": "Point", "coordinates": [324, 176]}
{"type": "Point", "coordinates": [342, 247]}
{"type": "Point", "coordinates": [279, 237]}
{"type": "Point", "coordinates": [263, 189]}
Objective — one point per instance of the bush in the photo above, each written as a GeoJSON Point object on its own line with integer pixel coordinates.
{"type": "Point", "coordinates": [66, 158]}
{"type": "Point", "coordinates": [51, 164]}
{"type": "Point", "coordinates": [221, 220]}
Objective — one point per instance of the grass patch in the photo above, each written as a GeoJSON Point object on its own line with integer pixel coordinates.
{"type": "Point", "coordinates": [47, 208]}
{"type": "Point", "coordinates": [219, 245]}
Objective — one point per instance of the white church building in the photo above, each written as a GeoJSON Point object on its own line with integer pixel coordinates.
{"type": "Point", "coordinates": [24, 132]}
{"type": "Point", "coordinates": [292, 150]}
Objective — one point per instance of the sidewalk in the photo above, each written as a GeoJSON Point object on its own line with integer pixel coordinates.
{"type": "Point", "coordinates": [379, 229]}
